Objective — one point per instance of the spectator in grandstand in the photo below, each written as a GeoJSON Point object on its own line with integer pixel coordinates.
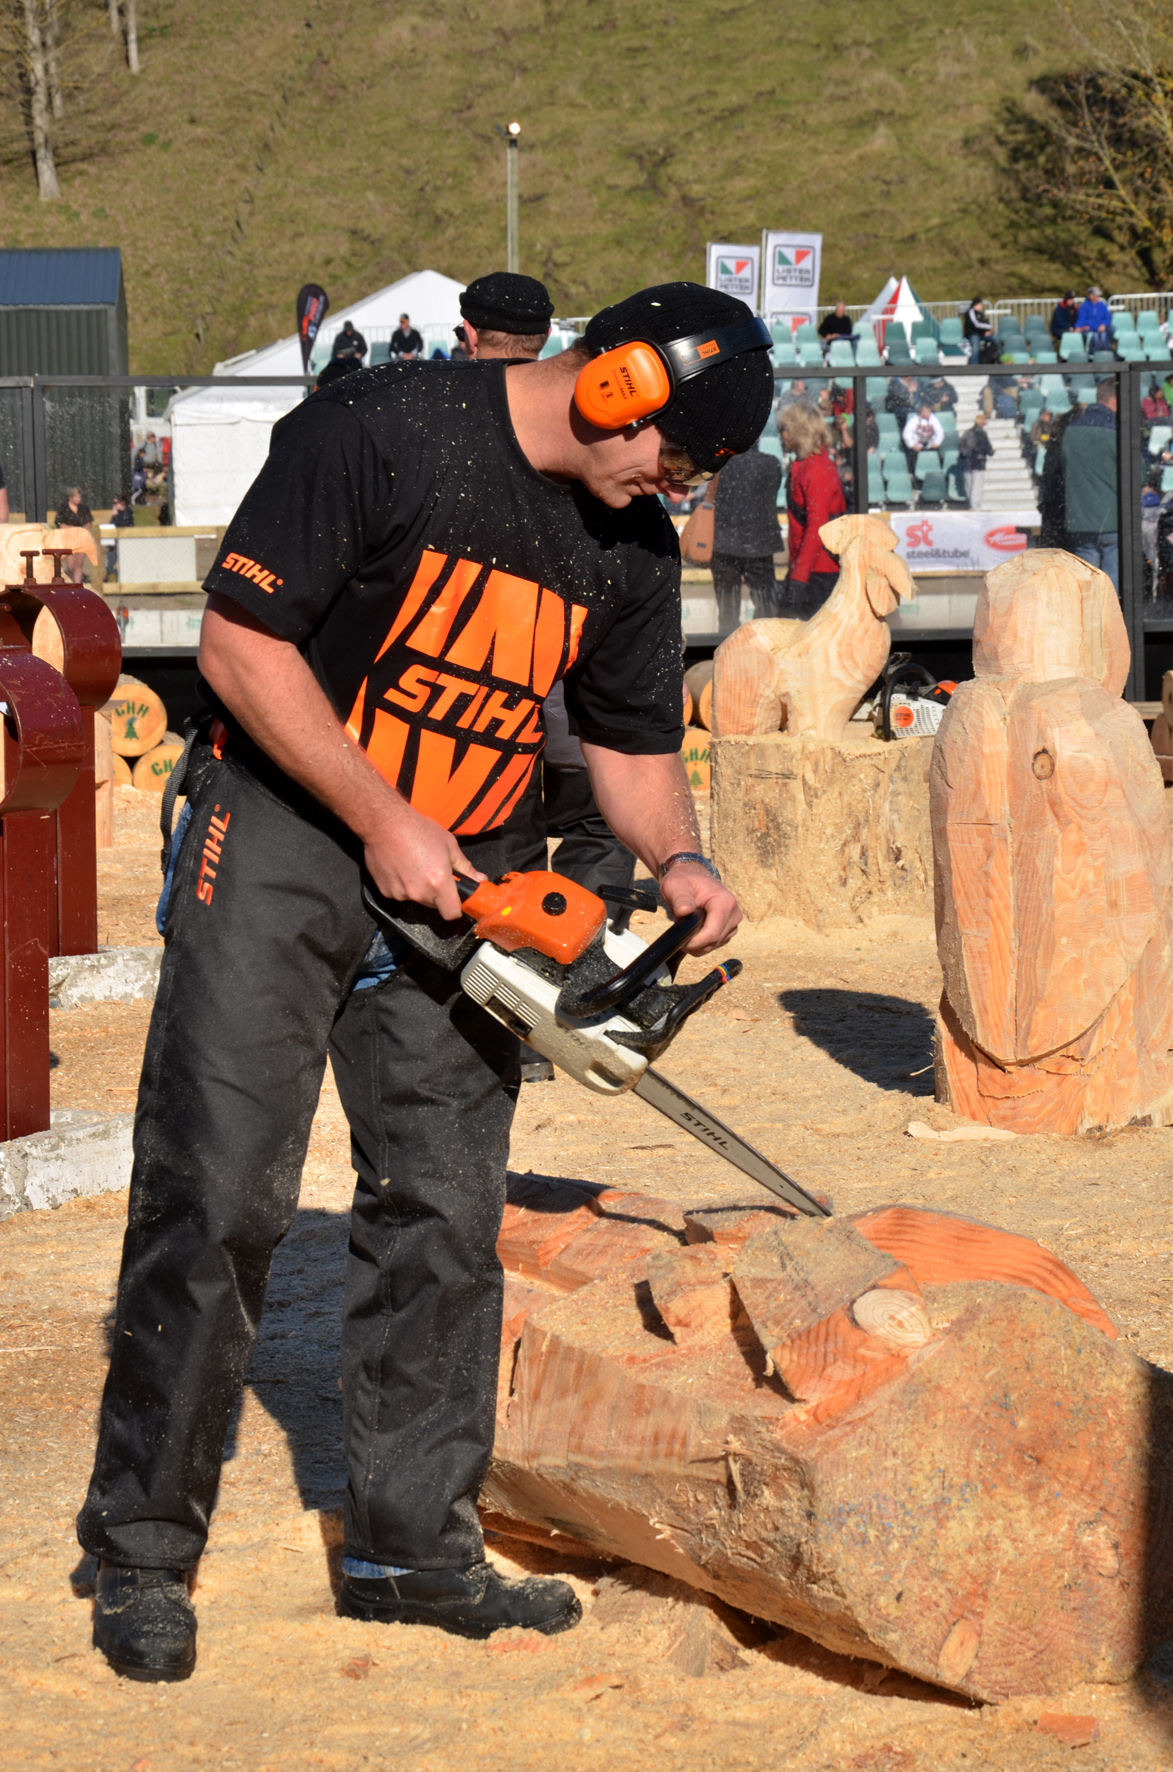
{"type": "Point", "coordinates": [903, 396]}
{"type": "Point", "coordinates": [835, 324]}
{"type": "Point", "coordinates": [405, 340]}
{"type": "Point", "coordinates": [1005, 402]}
{"type": "Point", "coordinates": [122, 517]}
{"type": "Point", "coordinates": [1064, 318]}
{"type": "Point", "coordinates": [1053, 488]}
{"type": "Point", "coordinates": [152, 455]}
{"type": "Point", "coordinates": [873, 431]}
{"type": "Point", "coordinates": [72, 513]}
{"type": "Point", "coordinates": [1040, 431]}
{"type": "Point", "coordinates": [1089, 466]}
{"type": "Point", "coordinates": [975, 450]}
{"type": "Point", "coordinates": [746, 537]}
{"type": "Point", "coordinates": [1154, 407]}
{"type": "Point", "coordinates": [939, 394]}
{"type": "Point", "coordinates": [814, 494]}
{"type": "Point", "coordinates": [350, 342]}
{"type": "Point", "coordinates": [460, 350]}
{"type": "Point", "coordinates": [1094, 321]}
{"type": "Point", "coordinates": [923, 430]}
{"type": "Point", "coordinates": [978, 329]}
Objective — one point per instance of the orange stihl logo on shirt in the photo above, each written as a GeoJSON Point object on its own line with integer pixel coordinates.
{"type": "Point", "coordinates": [210, 859]}
{"type": "Point", "coordinates": [710, 349]}
{"type": "Point", "coordinates": [249, 569]}
{"type": "Point", "coordinates": [449, 711]}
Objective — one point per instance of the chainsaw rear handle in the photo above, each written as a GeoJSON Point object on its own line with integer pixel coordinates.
{"type": "Point", "coordinates": [605, 998]}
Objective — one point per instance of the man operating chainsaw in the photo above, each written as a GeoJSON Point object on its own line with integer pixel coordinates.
{"type": "Point", "coordinates": [427, 550]}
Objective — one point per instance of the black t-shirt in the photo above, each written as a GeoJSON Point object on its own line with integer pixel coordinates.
{"type": "Point", "coordinates": [408, 340]}
{"type": "Point", "coordinates": [439, 586]}
{"type": "Point", "coordinates": [835, 326]}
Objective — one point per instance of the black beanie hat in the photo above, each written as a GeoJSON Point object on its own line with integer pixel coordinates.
{"type": "Point", "coordinates": [719, 413]}
{"type": "Point", "coordinates": [504, 301]}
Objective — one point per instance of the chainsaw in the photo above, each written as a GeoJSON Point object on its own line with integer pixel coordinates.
{"type": "Point", "coordinates": [584, 991]}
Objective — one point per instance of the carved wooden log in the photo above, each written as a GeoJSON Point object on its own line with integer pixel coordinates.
{"type": "Point", "coordinates": [810, 676]}
{"type": "Point", "coordinates": [911, 1437]}
{"type": "Point", "coordinates": [1053, 867]}
{"type": "Point", "coordinates": [825, 832]}
{"type": "Point", "coordinates": [1162, 733]}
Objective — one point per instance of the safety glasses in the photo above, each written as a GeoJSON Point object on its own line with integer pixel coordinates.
{"type": "Point", "coordinates": [677, 466]}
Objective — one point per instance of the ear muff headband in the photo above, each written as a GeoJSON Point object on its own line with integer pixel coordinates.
{"type": "Point", "coordinates": [633, 381]}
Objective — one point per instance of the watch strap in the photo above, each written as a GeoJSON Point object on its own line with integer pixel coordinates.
{"type": "Point", "coordinates": [700, 861]}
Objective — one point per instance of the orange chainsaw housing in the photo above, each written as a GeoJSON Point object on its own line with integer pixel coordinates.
{"type": "Point", "coordinates": [543, 911]}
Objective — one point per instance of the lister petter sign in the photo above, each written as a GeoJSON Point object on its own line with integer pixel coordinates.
{"type": "Point", "coordinates": [790, 276]}
{"type": "Point", "coordinates": [960, 541]}
{"type": "Point", "coordinates": [734, 270]}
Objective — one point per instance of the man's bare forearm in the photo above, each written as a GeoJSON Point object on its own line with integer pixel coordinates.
{"type": "Point", "coordinates": [266, 684]}
{"type": "Point", "coordinates": [646, 801]}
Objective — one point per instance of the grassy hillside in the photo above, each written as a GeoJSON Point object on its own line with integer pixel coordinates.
{"type": "Point", "coordinates": [268, 144]}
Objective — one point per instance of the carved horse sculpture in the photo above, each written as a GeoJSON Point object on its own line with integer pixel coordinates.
{"type": "Point", "coordinates": [809, 676]}
{"type": "Point", "coordinates": [1053, 867]}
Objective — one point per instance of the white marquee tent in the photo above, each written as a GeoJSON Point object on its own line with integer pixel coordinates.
{"type": "Point", "coordinates": [896, 301]}
{"type": "Point", "coordinates": [220, 436]}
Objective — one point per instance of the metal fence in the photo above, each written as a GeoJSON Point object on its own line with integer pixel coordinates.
{"type": "Point", "coordinates": [62, 431]}
{"type": "Point", "coordinates": [1021, 306]}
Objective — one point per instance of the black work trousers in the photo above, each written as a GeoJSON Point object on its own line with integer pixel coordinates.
{"type": "Point", "coordinates": [559, 803]}
{"type": "Point", "coordinates": [265, 935]}
{"type": "Point", "coordinates": [758, 572]}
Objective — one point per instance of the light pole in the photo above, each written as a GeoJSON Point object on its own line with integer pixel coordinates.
{"type": "Point", "coordinates": [509, 137]}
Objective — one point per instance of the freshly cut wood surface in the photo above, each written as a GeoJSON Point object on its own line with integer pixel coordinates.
{"type": "Point", "coordinates": [104, 814]}
{"type": "Point", "coordinates": [698, 680]}
{"type": "Point", "coordinates": [1162, 728]}
{"type": "Point", "coordinates": [138, 720]}
{"type": "Point", "coordinates": [908, 1436]}
{"type": "Point", "coordinates": [810, 676]}
{"type": "Point", "coordinates": [152, 772]}
{"type": "Point", "coordinates": [1053, 867]}
{"type": "Point", "coordinates": [103, 750]}
{"type": "Point", "coordinates": [122, 772]}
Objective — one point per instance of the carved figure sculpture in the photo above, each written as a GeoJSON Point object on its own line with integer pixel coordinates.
{"type": "Point", "coordinates": [1162, 732]}
{"type": "Point", "coordinates": [1053, 866]}
{"type": "Point", "coordinates": [809, 677]}
{"type": "Point", "coordinates": [15, 537]}
{"type": "Point", "coordinates": [909, 1436]}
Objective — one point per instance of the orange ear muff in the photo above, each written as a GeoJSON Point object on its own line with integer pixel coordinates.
{"type": "Point", "coordinates": [621, 386]}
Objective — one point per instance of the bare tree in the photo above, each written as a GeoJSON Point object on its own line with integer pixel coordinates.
{"type": "Point", "coordinates": [131, 8]}
{"type": "Point", "coordinates": [1091, 153]}
{"type": "Point", "coordinates": [51, 32]}
{"type": "Point", "coordinates": [115, 18]}
{"type": "Point", "coordinates": [33, 54]}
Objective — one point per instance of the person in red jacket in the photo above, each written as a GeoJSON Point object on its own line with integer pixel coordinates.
{"type": "Point", "coordinates": [814, 495]}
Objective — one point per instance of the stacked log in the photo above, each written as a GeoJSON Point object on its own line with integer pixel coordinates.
{"type": "Point", "coordinates": [145, 752]}
{"type": "Point", "coordinates": [911, 1437]}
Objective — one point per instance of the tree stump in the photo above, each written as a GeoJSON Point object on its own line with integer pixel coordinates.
{"type": "Point", "coordinates": [138, 719]}
{"type": "Point", "coordinates": [153, 771]}
{"type": "Point", "coordinates": [825, 832]}
{"type": "Point", "coordinates": [1054, 865]}
{"type": "Point", "coordinates": [911, 1437]}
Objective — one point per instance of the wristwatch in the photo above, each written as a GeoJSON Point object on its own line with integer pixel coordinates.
{"type": "Point", "coordinates": [700, 861]}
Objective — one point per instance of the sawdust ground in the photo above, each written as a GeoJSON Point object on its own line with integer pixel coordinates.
{"type": "Point", "coordinates": [820, 1053]}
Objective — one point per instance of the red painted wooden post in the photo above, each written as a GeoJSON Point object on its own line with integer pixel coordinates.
{"type": "Point", "coordinates": [44, 750]}
{"type": "Point", "coordinates": [92, 657]}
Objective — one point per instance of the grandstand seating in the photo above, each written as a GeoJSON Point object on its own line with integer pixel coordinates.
{"type": "Point", "coordinates": [1149, 321]}
{"type": "Point", "coordinates": [892, 461]}
{"type": "Point", "coordinates": [1156, 349]}
{"type": "Point", "coordinates": [810, 354]}
{"type": "Point", "coordinates": [1071, 347]}
{"type": "Point", "coordinates": [951, 332]}
{"type": "Point", "coordinates": [1159, 439]}
{"type": "Point", "coordinates": [875, 485]}
{"type": "Point", "coordinates": [948, 422]}
{"type": "Point", "coordinates": [899, 489]}
{"type": "Point", "coordinates": [784, 353]}
{"type": "Point", "coordinates": [1047, 356]}
{"type": "Point", "coordinates": [877, 391]}
{"type": "Point", "coordinates": [950, 456]}
{"type": "Point", "coordinates": [380, 353]}
{"type": "Point", "coordinates": [841, 355]}
{"type": "Point", "coordinates": [928, 461]}
{"type": "Point", "coordinates": [1167, 481]}
{"type": "Point", "coordinates": [927, 353]}
{"type": "Point", "coordinates": [1060, 403]}
{"type": "Point", "coordinates": [1130, 349]}
{"type": "Point", "coordinates": [899, 355]}
{"type": "Point", "coordinates": [934, 490]}
{"type": "Point", "coordinates": [895, 330]}
{"type": "Point", "coordinates": [867, 352]}
{"type": "Point", "coordinates": [886, 424]}
{"type": "Point", "coordinates": [780, 331]}
{"type": "Point", "coordinates": [1040, 458]}
{"type": "Point", "coordinates": [806, 334]}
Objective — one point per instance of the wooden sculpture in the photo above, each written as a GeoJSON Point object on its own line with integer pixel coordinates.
{"type": "Point", "coordinates": [911, 1437]}
{"type": "Point", "coordinates": [16, 538]}
{"type": "Point", "coordinates": [1162, 733]}
{"type": "Point", "coordinates": [1053, 867]}
{"type": "Point", "coordinates": [810, 676]}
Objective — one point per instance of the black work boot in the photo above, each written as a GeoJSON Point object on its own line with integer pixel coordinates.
{"type": "Point", "coordinates": [470, 1602]}
{"type": "Point", "coordinates": [144, 1622]}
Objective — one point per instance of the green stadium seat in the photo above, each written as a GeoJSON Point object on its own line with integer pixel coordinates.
{"type": "Point", "coordinates": [927, 462]}
{"type": "Point", "coordinates": [956, 485]}
{"type": "Point", "coordinates": [1130, 350]}
{"type": "Point", "coordinates": [1037, 323]}
{"type": "Point", "coordinates": [1046, 356]}
{"type": "Point", "coordinates": [933, 488]}
{"type": "Point", "coordinates": [948, 422]}
{"type": "Point", "coordinates": [892, 461]}
{"type": "Point", "coordinates": [1167, 481]}
{"type": "Point", "coordinates": [780, 331]}
{"type": "Point", "coordinates": [900, 491]}
{"type": "Point", "coordinates": [899, 356]}
{"type": "Point", "coordinates": [1059, 403]}
{"type": "Point", "coordinates": [875, 486]}
{"type": "Point", "coordinates": [1156, 349]}
{"type": "Point", "coordinates": [887, 424]}
{"type": "Point", "coordinates": [553, 346]}
{"type": "Point", "coordinates": [867, 352]}
{"type": "Point", "coordinates": [380, 353]}
{"type": "Point", "coordinates": [806, 334]}
{"type": "Point", "coordinates": [1040, 458]}
{"type": "Point", "coordinates": [1159, 439]}
{"type": "Point", "coordinates": [810, 355]}
{"type": "Point", "coordinates": [769, 443]}
{"type": "Point", "coordinates": [877, 390]}
{"type": "Point", "coordinates": [1016, 356]}
{"type": "Point", "coordinates": [950, 456]}
{"type": "Point", "coordinates": [1071, 348]}
{"type": "Point", "coordinates": [1148, 321]}
{"type": "Point", "coordinates": [951, 332]}
{"type": "Point", "coordinates": [841, 355]}
{"type": "Point", "coordinates": [895, 329]}
{"type": "Point", "coordinates": [784, 354]}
